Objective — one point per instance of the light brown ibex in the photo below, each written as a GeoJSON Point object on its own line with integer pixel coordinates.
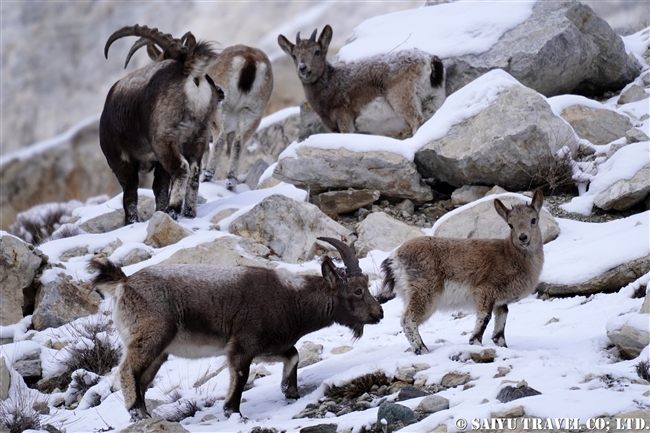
{"type": "Point", "coordinates": [432, 273]}
{"type": "Point", "coordinates": [246, 313]}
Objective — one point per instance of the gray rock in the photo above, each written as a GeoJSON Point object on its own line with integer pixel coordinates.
{"type": "Point", "coordinates": [409, 392]}
{"type": "Point", "coordinates": [513, 412]}
{"type": "Point", "coordinates": [481, 221]}
{"type": "Point", "coordinates": [256, 171]}
{"type": "Point", "coordinates": [393, 413]}
{"type": "Point", "coordinates": [645, 307]}
{"type": "Point", "coordinates": [324, 169]}
{"type": "Point", "coordinates": [635, 135]}
{"type": "Point", "coordinates": [223, 214]}
{"type": "Point", "coordinates": [110, 248]}
{"type": "Point", "coordinates": [634, 93]}
{"type": "Point", "coordinates": [60, 381]}
{"type": "Point", "coordinates": [405, 374]}
{"type": "Point", "coordinates": [114, 220]}
{"type": "Point", "coordinates": [29, 366]}
{"type": "Point", "coordinates": [154, 425]}
{"type": "Point", "coordinates": [309, 354]}
{"type": "Point", "coordinates": [136, 255]}
{"type": "Point", "coordinates": [320, 428]}
{"type": "Point", "coordinates": [630, 341]}
{"type": "Point", "coordinates": [5, 379]}
{"type": "Point", "coordinates": [508, 143]}
{"type": "Point", "coordinates": [406, 207]}
{"type": "Point", "coordinates": [467, 194]}
{"type": "Point", "coordinates": [454, 379]}
{"type": "Point", "coordinates": [610, 281]}
{"type": "Point", "coordinates": [599, 126]}
{"type": "Point", "coordinates": [224, 251]}
{"type": "Point", "coordinates": [18, 266]}
{"type": "Point", "coordinates": [339, 202]}
{"type": "Point", "coordinates": [162, 231]}
{"type": "Point", "coordinates": [432, 404]}
{"type": "Point", "coordinates": [625, 193]}
{"type": "Point", "coordinates": [73, 252]}
{"type": "Point", "coordinates": [310, 122]}
{"type": "Point", "coordinates": [484, 356]}
{"type": "Point", "coordinates": [61, 301]}
{"type": "Point", "coordinates": [289, 228]}
{"type": "Point", "coordinates": [560, 39]}
{"type": "Point", "coordinates": [509, 393]}
{"type": "Point", "coordinates": [380, 231]}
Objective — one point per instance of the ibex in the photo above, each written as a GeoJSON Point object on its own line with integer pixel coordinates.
{"type": "Point", "coordinates": [432, 273]}
{"type": "Point", "coordinates": [159, 118]}
{"type": "Point", "coordinates": [246, 313]}
{"type": "Point", "coordinates": [246, 76]}
{"type": "Point", "coordinates": [379, 95]}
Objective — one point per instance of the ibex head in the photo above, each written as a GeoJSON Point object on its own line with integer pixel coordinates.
{"type": "Point", "coordinates": [309, 55]}
{"type": "Point", "coordinates": [523, 220]}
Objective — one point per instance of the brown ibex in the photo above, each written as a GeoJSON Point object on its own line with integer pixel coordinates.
{"type": "Point", "coordinates": [246, 313]}
{"type": "Point", "coordinates": [432, 273]}
{"type": "Point", "coordinates": [379, 95]}
{"type": "Point", "coordinates": [159, 118]}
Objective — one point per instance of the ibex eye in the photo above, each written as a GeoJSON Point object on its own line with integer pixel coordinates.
{"type": "Point", "coordinates": [293, 56]}
{"type": "Point", "coordinates": [533, 221]}
{"type": "Point", "coordinates": [317, 53]}
{"type": "Point", "coordinates": [358, 292]}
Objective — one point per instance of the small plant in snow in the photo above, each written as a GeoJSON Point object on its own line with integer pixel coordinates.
{"type": "Point", "coordinates": [643, 369]}
{"type": "Point", "coordinates": [19, 414]}
{"type": "Point", "coordinates": [82, 381]}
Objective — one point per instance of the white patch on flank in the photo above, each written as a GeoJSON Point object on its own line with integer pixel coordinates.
{"type": "Point", "coordinates": [379, 117]}
{"type": "Point", "coordinates": [455, 296]}
{"type": "Point", "coordinates": [198, 96]}
{"type": "Point", "coordinates": [186, 345]}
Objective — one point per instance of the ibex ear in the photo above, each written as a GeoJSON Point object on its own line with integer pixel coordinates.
{"type": "Point", "coordinates": [501, 209]}
{"type": "Point", "coordinates": [538, 200]}
{"type": "Point", "coordinates": [190, 40]}
{"type": "Point", "coordinates": [325, 38]}
{"type": "Point", "coordinates": [329, 272]}
{"type": "Point", "coordinates": [286, 46]}
{"type": "Point", "coordinates": [153, 52]}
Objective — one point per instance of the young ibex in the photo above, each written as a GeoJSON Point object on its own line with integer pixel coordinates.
{"type": "Point", "coordinates": [379, 95]}
{"type": "Point", "coordinates": [159, 118]}
{"type": "Point", "coordinates": [246, 313]}
{"type": "Point", "coordinates": [432, 274]}
{"type": "Point", "coordinates": [246, 76]}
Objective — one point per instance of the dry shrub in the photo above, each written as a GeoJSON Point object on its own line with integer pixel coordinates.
{"type": "Point", "coordinates": [357, 387]}
{"type": "Point", "coordinates": [19, 414]}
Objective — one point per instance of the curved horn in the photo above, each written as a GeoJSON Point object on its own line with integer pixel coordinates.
{"type": "Point", "coordinates": [347, 254]}
{"type": "Point", "coordinates": [298, 38]}
{"type": "Point", "coordinates": [163, 40]}
{"type": "Point", "coordinates": [182, 39]}
{"type": "Point", "coordinates": [142, 42]}
{"type": "Point", "coordinates": [313, 36]}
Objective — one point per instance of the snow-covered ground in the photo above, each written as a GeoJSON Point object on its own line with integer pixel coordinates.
{"type": "Point", "coordinates": [559, 346]}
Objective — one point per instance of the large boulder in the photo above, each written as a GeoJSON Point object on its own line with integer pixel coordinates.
{"type": "Point", "coordinates": [323, 169]}
{"type": "Point", "coordinates": [481, 221]}
{"type": "Point", "coordinates": [18, 265]}
{"type": "Point", "coordinates": [598, 125]}
{"type": "Point", "coordinates": [630, 333]}
{"type": "Point", "coordinates": [289, 228]}
{"type": "Point", "coordinates": [163, 231]}
{"type": "Point", "coordinates": [559, 39]}
{"type": "Point", "coordinates": [507, 143]}
{"type": "Point", "coordinates": [114, 220]}
{"type": "Point", "coordinates": [224, 251]}
{"type": "Point", "coordinates": [625, 193]}
{"type": "Point", "coordinates": [382, 232]}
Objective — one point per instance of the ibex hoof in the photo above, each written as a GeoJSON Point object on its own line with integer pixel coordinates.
{"type": "Point", "coordinates": [421, 351]}
{"type": "Point", "coordinates": [231, 184]}
{"type": "Point", "coordinates": [138, 414]}
{"type": "Point", "coordinates": [207, 176]}
{"type": "Point", "coordinates": [475, 342]}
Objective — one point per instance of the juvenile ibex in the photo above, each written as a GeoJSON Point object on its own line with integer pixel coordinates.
{"type": "Point", "coordinates": [159, 118]}
{"type": "Point", "coordinates": [246, 76]}
{"type": "Point", "coordinates": [379, 95]}
{"type": "Point", "coordinates": [432, 274]}
{"type": "Point", "coordinates": [246, 313]}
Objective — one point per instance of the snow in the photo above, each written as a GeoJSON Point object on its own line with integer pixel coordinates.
{"type": "Point", "coordinates": [568, 359]}
{"type": "Point", "coordinates": [637, 43]}
{"type": "Point", "coordinates": [278, 116]}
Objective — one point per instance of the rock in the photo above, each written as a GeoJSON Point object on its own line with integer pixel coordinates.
{"type": "Point", "coordinates": [559, 39]}
{"type": "Point", "coordinates": [258, 429]}
{"type": "Point", "coordinates": [114, 220]}
{"type": "Point", "coordinates": [154, 425]}
{"type": "Point", "coordinates": [610, 281]}
{"type": "Point", "coordinates": [599, 126]}
{"type": "Point", "coordinates": [222, 214]}
{"type": "Point", "coordinates": [392, 413]}
{"type": "Point", "coordinates": [324, 169]}
{"type": "Point", "coordinates": [256, 171]}
{"type": "Point", "coordinates": [110, 248]}
{"type": "Point", "coordinates": [635, 135]}
{"type": "Point", "coordinates": [625, 193]}
{"type": "Point", "coordinates": [380, 231]}
{"type": "Point", "coordinates": [467, 194]}
{"type": "Point", "coordinates": [432, 404]}
{"type": "Point", "coordinates": [136, 255]}
{"type": "Point", "coordinates": [162, 231]}
{"type": "Point", "coordinates": [310, 122]}
{"type": "Point", "coordinates": [5, 380]}
{"type": "Point", "coordinates": [454, 379]}
{"type": "Point", "coordinates": [320, 428]}
{"type": "Point", "coordinates": [224, 251]}
{"type": "Point", "coordinates": [484, 356]}
{"type": "Point", "coordinates": [409, 392]}
{"type": "Point", "coordinates": [341, 349]}
{"type": "Point", "coordinates": [29, 366]}
{"type": "Point", "coordinates": [405, 374]}
{"type": "Point", "coordinates": [645, 307]}
{"type": "Point", "coordinates": [496, 190]}
{"type": "Point", "coordinates": [339, 202]}
{"type": "Point", "coordinates": [629, 338]}
{"type": "Point", "coordinates": [60, 381]}
{"type": "Point", "coordinates": [18, 266]}
{"type": "Point", "coordinates": [406, 207]}
{"type": "Point", "coordinates": [61, 301]}
{"type": "Point", "coordinates": [509, 393]}
{"type": "Point", "coordinates": [502, 371]}
{"type": "Point", "coordinates": [309, 354]}
{"type": "Point", "coordinates": [634, 93]}
{"type": "Point", "coordinates": [513, 412]}
{"type": "Point", "coordinates": [73, 252]}
{"type": "Point", "coordinates": [289, 228]}
{"type": "Point", "coordinates": [508, 143]}
{"type": "Point", "coordinates": [481, 221]}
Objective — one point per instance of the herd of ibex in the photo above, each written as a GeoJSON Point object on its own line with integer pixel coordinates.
{"type": "Point", "coordinates": [163, 117]}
